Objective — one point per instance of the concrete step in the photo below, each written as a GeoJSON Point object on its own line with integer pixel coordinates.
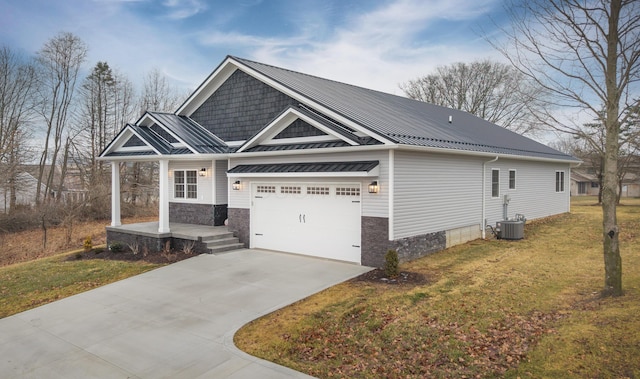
{"type": "Point", "coordinates": [217, 236]}
{"type": "Point", "coordinates": [226, 248]}
{"type": "Point", "coordinates": [221, 241]}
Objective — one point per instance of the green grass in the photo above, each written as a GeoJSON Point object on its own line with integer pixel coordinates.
{"type": "Point", "coordinates": [27, 285]}
{"type": "Point", "coordinates": [528, 309]}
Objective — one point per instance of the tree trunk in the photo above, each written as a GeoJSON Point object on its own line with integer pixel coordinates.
{"type": "Point", "coordinates": [610, 230]}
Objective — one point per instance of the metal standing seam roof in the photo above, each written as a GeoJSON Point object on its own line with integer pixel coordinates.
{"type": "Point", "coordinates": [407, 121]}
{"type": "Point", "coordinates": [317, 167]}
{"type": "Point", "coordinates": [192, 133]}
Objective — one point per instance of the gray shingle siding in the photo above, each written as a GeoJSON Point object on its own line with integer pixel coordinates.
{"type": "Point", "coordinates": [134, 141]}
{"type": "Point", "coordinates": [299, 128]}
{"type": "Point", "coordinates": [240, 107]}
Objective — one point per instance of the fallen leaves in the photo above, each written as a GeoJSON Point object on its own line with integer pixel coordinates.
{"type": "Point", "coordinates": [351, 348]}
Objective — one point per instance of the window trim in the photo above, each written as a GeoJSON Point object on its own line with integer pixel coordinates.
{"type": "Point", "coordinates": [560, 181]}
{"type": "Point", "coordinates": [497, 183]}
{"type": "Point", "coordinates": [515, 179]}
{"type": "Point", "coordinates": [188, 187]}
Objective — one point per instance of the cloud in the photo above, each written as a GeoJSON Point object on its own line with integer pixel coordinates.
{"type": "Point", "coordinates": [181, 9]}
{"type": "Point", "coordinates": [376, 48]}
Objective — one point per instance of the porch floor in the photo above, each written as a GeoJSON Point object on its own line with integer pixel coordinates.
{"type": "Point", "coordinates": [177, 230]}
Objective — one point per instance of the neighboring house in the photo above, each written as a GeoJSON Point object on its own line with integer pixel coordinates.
{"type": "Point", "coordinates": [26, 186]}
{"type": "Point", "coordinates": [584, 183]}
{"type": "Point", "coordinates": [73, 187]}
{"type": "Point", "coordinates": [307, 165]}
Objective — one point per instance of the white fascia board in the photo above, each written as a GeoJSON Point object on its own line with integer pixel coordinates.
{"type": "Point", "coordinates": [155, 121]}
{"type": "Point", "coordinates": [299, 140]}
{"type": "Point", "coordinates": [358, 174]}
{"type": "Point", "coordinates": [171, 158]}
{"type": "Point", "coordinates": [282, 122]}
{"type": "Point", "coordinates": [208, 87]}
{"type": "Point", "coordinates": [312, 103]}
{"type": "Point", "coordinates": [440, 150]}
{"type": "Point", "coordinates": [425, 149]}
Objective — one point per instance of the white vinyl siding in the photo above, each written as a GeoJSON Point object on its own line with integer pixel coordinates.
{"type": "Point", "coordinates": [373, 204]}
{"type": "Point", "coordinates": [221, 182]}
{"type": "Point", "coordinates": [536, 196]}
{"type": "Point", "coordinates": [435, 192]}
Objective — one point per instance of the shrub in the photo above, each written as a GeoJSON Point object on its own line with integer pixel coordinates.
{"type": "Point", "coordinates": [116, 247]}
{"type": "Point", "coordinates": [391, 264]}
{"type": "Point", "coordinates": [87, 245]}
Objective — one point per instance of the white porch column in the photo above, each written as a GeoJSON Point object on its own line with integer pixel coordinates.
{"type": "Point", "coordinates": [115, 194]}
{"type": "Point", "coordinates": [163, 212]}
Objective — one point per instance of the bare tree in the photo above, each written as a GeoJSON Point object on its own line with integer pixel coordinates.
{"type": "Point", "coordinates": [17, 81]}
{"type": "Point", "coordinates": [60, 60]}
{"type": "Point", "coordinates": [158, 95]}
{"type": "Point", "coordinates": [490, 90]}
{"type": "Point", "coordinates": [106, 105]}
{"type": "Point", "coordinates": [586, 55]}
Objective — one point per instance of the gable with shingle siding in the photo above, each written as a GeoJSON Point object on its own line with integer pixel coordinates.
{"type": "Point", "coordinates": [242, 106]}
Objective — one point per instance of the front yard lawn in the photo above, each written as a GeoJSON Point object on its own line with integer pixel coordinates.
{"type": "Point", "coordinates": [30, 284]}
{"type": "Point", "coordinates": [515, 309]}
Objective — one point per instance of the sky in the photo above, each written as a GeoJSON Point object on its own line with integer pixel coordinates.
{"type": "Point", "coordinates": [376, 44]}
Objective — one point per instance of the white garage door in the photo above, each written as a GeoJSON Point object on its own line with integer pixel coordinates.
{"type": "Point", "coordinates": [322, 220]}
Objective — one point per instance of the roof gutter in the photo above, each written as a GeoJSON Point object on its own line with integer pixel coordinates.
{"type": "Point", "coordinates": [484, 197]}
{"type": "Point", "coordinates": [380, 147]}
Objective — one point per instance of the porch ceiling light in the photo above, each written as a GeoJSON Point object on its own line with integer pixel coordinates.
{"type": "Point", "coordinates": [236, 185]}
{"type": "Point", "coordinates": [203, 172]}
{"type": "Point", "coordinates": [373, 187]}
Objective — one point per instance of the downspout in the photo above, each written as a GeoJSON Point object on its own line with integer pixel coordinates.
{"type": "Point", "coordinates": [484, 197]}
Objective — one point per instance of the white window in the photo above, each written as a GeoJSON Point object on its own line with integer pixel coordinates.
{"type": "Point", "coordinates": [495, 183]}
{"type": "Point", "coordinates": [185, 184]}
{"type": "Point", "coordinates": [512, 179]}
{"type": "Point", "coordinates": [559, 181]}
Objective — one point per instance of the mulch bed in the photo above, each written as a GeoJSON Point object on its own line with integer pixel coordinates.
{"type": "Point", "coordinates": [405, 277]}
{"type": "Point", "coordinates": [129, 256]}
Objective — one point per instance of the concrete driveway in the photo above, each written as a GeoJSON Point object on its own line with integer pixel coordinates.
{"type": "Point", "coordinates": [177, 321]}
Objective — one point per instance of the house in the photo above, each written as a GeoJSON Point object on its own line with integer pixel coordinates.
{"type": "Point", "coordinates": [584, 183]}
{"type": "Point", "coordinates": [296, 163]}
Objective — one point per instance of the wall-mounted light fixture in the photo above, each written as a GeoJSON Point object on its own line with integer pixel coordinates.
{"type": "Point", "coordinates": [236, 185]}
{"type": "Point", "coordinates": [203, 172]}
{"type": "Point", "coordinates": [373, 187]}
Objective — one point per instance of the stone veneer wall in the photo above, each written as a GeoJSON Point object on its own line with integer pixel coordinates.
{"type": "Point", "coordinates": [198, 214]}
{"type": "Point", "coordinates": [240, 224]}
{"type": "Point", "coordinates": [375, 243]}
{"type": "Point", "coordinates": [374, 237]}
{"type": "Point", "coordinates": [153, 244]}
